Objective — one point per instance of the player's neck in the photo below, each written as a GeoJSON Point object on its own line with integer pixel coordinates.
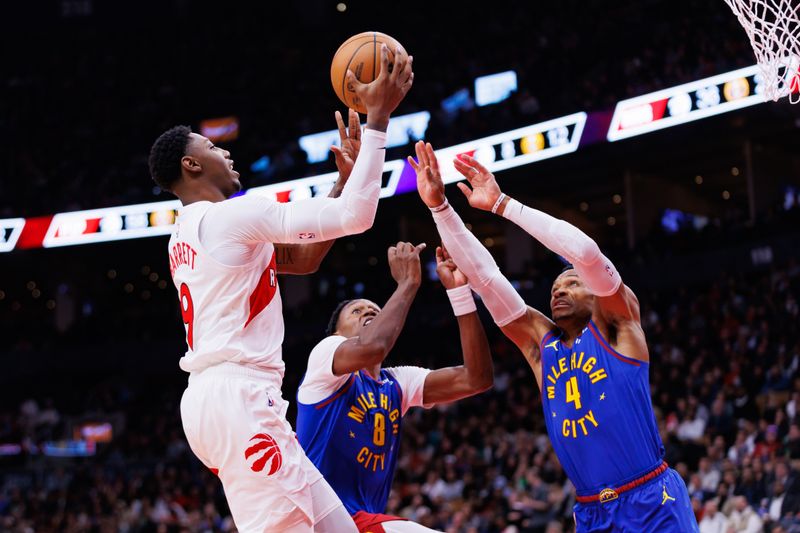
{"type": "Point", "coordinates": [200, 193]}
{"type": "Point", "coordinates": [571, 329]}
{"type": "Point", "coordinates": [374, 372]}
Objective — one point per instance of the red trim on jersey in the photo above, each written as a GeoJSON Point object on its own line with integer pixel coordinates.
{"type": "Point", "coordinates": [214, 471]}
{"type": "Point", "coordinates": [366, 522]}
{"type": "Point", "coordinates": [609, 349]}
{"type": "Point", "coordinates": [265, 290]}
{"type": "Point", "coordinates": [344, 389]}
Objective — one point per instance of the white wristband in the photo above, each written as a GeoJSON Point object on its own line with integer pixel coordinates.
{"type": "Point", "coordinates": [462, 301]}
{"type": "Point", "coordinates": [500, 199]}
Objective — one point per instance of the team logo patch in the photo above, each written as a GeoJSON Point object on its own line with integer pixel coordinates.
{"type": "Point", "coordinates": [607, 495]}
{"type": "Point", "coordinates": [264, 450]}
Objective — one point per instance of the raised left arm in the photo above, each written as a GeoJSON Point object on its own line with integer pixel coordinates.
{"type": "Point", "coordinates": [476, 374]}
{"type": "Point", "coordinates": [306, 258]}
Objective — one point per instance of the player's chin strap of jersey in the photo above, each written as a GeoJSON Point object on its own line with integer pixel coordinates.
{"type": "Point", "coordinates": [595, 270]}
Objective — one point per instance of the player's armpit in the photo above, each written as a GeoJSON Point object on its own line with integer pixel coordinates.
{"type": "Point", "coordinates": [621, 306]}
{"type": "Point", "coordinates": [528, 330]}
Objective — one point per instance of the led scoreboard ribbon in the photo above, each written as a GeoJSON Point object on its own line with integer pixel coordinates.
{"type": "Point", "coordinates": [686, 103]}
{"type": "Point", "coordinates": [509, 149]}
{"type": "Point", "coordinates": [635, 116]}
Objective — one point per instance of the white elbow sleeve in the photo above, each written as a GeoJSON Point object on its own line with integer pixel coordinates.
{"type": "Point", "coordinates": [361, 193]}
{"type": "Point", "coordinates": [501, 299]}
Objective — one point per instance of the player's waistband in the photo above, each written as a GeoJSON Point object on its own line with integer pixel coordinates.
{"type": "Point", "coordinates": [229, 369]}
{"type": "Point", "coordinates": [610, 494]}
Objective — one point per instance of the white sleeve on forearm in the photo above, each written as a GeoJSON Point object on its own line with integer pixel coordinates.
{"type": "Point", "coordinates": [250, 218]}
{"type": "Point", "coordinates": [595, 269]}
{"type": "Point", "coordinates": [501, 299]}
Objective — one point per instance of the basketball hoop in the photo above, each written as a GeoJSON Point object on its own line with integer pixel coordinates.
{"type": "Point", "coordinates": [773, 27]}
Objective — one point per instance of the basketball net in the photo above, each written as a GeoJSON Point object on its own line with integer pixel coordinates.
{"type": "Point", "coordinates": [773, 28]}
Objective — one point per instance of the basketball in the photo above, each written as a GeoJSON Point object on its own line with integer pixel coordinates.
{"type": "Point", "coordinates": [362, 54]}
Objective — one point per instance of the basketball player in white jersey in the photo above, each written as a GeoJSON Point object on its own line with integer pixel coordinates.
{"type": "Point", "coordinates": [223, 262]}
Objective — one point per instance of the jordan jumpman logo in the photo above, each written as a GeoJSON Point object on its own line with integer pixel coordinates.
{"type": "Point", "coordinates": [666, 496]}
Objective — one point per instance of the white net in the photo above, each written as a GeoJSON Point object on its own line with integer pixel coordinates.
{"type": "Point", "coordinates": [773, 27]}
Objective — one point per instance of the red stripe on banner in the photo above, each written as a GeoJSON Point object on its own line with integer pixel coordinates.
{"type": "Point", "coordinates": [283, 196]}
{"type": "Point", "coordinates": [33, 232]}
{"type": "Point", "coordinates": [92, 225]}
{"type": "Point", "coordinates": [659, 106]}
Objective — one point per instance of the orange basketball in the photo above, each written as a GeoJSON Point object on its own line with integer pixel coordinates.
{"type": "Point", "coordinates": [362, 54]}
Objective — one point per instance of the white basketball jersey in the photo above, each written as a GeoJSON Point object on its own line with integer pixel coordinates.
{"type": "Point", "coordinates": [231, 313]}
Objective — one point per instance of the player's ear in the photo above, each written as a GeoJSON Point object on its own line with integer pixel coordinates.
{"type": "Point", "coordinates": [191, 164]}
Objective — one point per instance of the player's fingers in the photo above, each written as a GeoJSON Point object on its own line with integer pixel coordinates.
{"type": "Point", "coordinates": [391, 252]}
{"type": "Point", "coordinates": [355, 124]}
{"type": "Point", "coordinates": [421, 246]}
{"type": "Point", "coordinates": [407, 85]}
{"type": "Point", "coordinates": [337, 152]}
{"type": "Point", "coordinates": [466, 190]}
{"type": "Point", "coordinates": [474, 163]}
{"type": "Point", "coordinates": [407, 73]}
{"type": "Point", "coordinates": [400, 62]}
{"type": "Point", "coordinates": [340, 126]}
{"type": "Point", "coordinates": [465, 170]}
{"type": "Point", "coordinates": [384, 61]}
{"type": "Point", "coordinates": [352, 81]}
{"type": "Point", "coordinates": [432, 157]}
{"type": "Point", "coordinates": [445, 253]}
{"type": "Point", "coordinates": [422, 157]}
{"type": "Point", "coordinates": [439, 255]}
{"type": "Point", "coordinates": [413, 164]}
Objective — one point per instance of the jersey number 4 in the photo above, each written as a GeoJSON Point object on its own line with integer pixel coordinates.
{"type": "Point", "coordinates": [573, 395]}
{"type": "Point", "coordinates": [187, 312]}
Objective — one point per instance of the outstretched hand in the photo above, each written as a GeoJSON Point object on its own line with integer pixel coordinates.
{"type": "Point", "coordinates": [382, 96]}
{"type": "Point", "coordinates": [429, 178]}
{"type": "Point", "coordinates": [404, 263]}
{"type": "Point", "coordinates": [449, 274]}
{"type": "Point", "coordinates": [485, 191]}
{"type": "Point", "coordinates": [350, 139]}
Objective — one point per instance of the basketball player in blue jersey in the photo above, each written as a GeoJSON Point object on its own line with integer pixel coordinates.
{"type": "Point", "coordinates": [350, 410]}
{"type": "Point", "coordinates": [590, 360]}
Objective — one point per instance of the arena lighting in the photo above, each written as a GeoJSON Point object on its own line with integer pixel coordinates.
{"type": "Point", "coordinates": [317, 146]}
{"type": "Point", "coordinates": [687, 103]}
{"type": "Point", "coordinates": [495, 88]}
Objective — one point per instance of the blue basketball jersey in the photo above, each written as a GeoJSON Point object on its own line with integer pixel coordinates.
{"type": "Point", "coordinates": [598, 412]}
{"type": "Point", "coordinates": [353, 437]}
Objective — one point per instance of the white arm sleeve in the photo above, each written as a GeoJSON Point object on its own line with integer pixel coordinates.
{"type": "Point", "coordinates": [412, 382]}
{"type": "Point", "coordinates": [252, 219]}
{"type": "Point", "coordinates": [503, 302]}
{"type": "Point", "coordinates": [320, 381]}
{"type": "Point", "coordinates": [596, 271]}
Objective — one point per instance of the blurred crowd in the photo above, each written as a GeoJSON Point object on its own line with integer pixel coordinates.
{"type": "Point", "coordinates": [725, 387]}
{"type": "Point", "coordinates": [84, 96]}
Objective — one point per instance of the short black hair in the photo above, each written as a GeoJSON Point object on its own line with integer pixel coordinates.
{"type": "Point", "coordinates": [334, 321]}
{"type": "Point", "coordinates": [166, 154]}
{"type": "Point", "coordinates": [568, 266]}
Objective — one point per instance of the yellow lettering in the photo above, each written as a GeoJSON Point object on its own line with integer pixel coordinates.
{"type": "Point", "coordinates": [362, 402]}
{"type": "Point", "coordinates": [574, 435]}
{"type": "Point", "coordinates": [590, 418]}
{"type": "Point", "coordinates": [363, 455]}
{"type": "Point", "coordinates": [553, 381]}
{"type": "Point", "coordinates": [372, 403]}
{"type": "Point", "coordinates": [589, 365]}
{"type": "Point", "coordinates": [394, 415]}
{"type": "Point", "coordinates": [551, 393]}
{"type": "Point", "coordinates": [564, 430]}
{"type": "Point", "coordinates": [384, 402]}
{"type": "Point", "coordinates": [383, 457]}
{"type": "Point", "coordinates": [583, 426]}
{"type": "Point", "coordinates": [580, 360]}
{"type": "Point", "coordinates": [562, 365]}
{"type": "Point", "coordinates": [555, 372]}
{"type": "Point", "coordinates": [572, 361]}
{"type": "Point", "coordinates": [356, 414]}
{"type": "Point", "coordinates": [597, 375]}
